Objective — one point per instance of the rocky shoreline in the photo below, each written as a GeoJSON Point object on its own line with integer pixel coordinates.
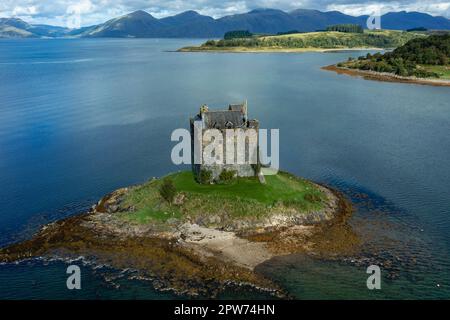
{"type": "Point", "coordinates": [386, 77]}
{"type": "Point", "coordinates": [194, 256]}
{"type": "Point", "coordinates": [270, 49]}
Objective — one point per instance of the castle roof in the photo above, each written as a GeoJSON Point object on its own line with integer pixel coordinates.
{"type": "Point", "coordinates": [233, 117]}
{"type": "Point", "coordinates": [224, 119]}
{"type": "Point", "coordinates": [237, 107]}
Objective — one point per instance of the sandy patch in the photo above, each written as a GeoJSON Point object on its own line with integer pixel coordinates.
{"type": "Point", "coordinates": [226, 246]}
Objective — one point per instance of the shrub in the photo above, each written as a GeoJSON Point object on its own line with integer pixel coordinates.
{"type": "Point", "coordinates": [425, 74]}
{"type": "Point", "coordinates": [288, 32]}
{"type": "Point", "coordinates": [351, 28]}
{"type": "Point", "coordinates": [205, 176]}
{"type": "Point", "coordinates": [168, 190]}
{"type": "Point", "coordinates": [227, 175]}
{"type": "Point", "coordinates": [406, 60]}
{"type": "Point", "coordinates": [312, 197]}
{"type": "Point", "coordinates": [209, 43]}
{"type": "Point", "coordinates": [236, 34]}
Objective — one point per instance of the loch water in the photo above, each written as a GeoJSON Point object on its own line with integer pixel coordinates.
{"type": "Point", "coordinates": [82, 117]}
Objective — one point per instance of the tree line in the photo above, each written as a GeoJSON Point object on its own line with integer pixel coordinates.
{"type": "Point", "coordinates": [406, 60]}
{"type": "Point", "coordinates": [349, 28]}
{"type": "Point", "coordinates": [320, 40]}
{"type": "Point", "coordinates": [236, 34]}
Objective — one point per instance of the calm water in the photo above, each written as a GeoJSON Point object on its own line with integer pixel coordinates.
{"type": "Point", "coordinates": [80, 118]}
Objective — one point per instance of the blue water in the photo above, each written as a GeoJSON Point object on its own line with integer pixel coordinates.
{"type": "Point", "coordinates": [80, 118]}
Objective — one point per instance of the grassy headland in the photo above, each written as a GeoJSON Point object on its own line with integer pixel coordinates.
{"type": "Point", "coordinates": [311, 41]}
{"type": "Point", "coordinates": [418, 60]}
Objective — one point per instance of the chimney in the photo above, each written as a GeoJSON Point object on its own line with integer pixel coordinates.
{"type": "Point", "coordinates": [244, 110]}
{"type": "Point", "coordinates": [203, 109]}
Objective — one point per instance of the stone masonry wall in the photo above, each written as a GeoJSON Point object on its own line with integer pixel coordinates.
{"type": "Point", "coordinates": [242, 170]}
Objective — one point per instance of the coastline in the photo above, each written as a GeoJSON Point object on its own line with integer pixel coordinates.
{"type": "Point", "coordinates": [272, 50]}
{"type": "Point", "coordinates": [386, 77]}
{"type": "Point", "coordinates": [189, 258]}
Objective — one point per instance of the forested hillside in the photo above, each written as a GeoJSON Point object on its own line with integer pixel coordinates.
{"type": "Point", "coordinates": [322, 40]}
{"type": "Point", "coordinates": [423, 57]}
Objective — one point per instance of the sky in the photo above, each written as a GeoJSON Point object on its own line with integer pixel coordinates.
{"type": "Point", "coordinates": [88, 12]}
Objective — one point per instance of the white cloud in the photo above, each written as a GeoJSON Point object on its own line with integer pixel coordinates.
{"type": "Point", "coordinates": [75, 12]}
{"type": "Point", "coordinates": [22, 10]}
{"type": "Point", "coordinates": [81, 7]}
{"type": "Point", "coordinates": [97, 11]}
{"type": "Point", "coordinates": [231, 8]}
{"type": "Point", "coordinates": [367, 8]}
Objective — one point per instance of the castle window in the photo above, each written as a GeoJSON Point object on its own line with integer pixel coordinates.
{"type": "Point", "coordinates": [229, 124]}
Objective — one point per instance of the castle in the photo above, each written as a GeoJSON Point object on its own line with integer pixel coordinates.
{"type": "Point", "coordinates": [235, 117]}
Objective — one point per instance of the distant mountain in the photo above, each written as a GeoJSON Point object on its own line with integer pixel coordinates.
{"type": "Point", "coordinates": [408, 20]}
{"type": "Point", "coordinates": [312, 20]}
{"type": "Point", "coordinates": [187, 17]}
{"type": "Point", "coordinates": [14, 28]}
{"type": "Point", "coordinates": [14, 22]}
{"type": "Point", "coordinates": [260, 21]}
{"type": "Point", "coordinates": [43, 30]}
{"type": "Point", "coordinates": [139, 24]}
{"type": "Point", "coordinates": [191, 24]}
{"type": "Point", "coordinates": [13, 32]}
{"type": "Point", "coordinates": [17, 28]}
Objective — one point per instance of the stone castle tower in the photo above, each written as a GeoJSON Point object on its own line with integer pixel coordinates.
{"type": "Point", "coordinates": [235, 117]}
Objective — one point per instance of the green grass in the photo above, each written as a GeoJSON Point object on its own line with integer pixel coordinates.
{"type": "Point", "coordinates": [242, 197]}
{"type": "Point", "coordinates": [442, 71]}
{"type": "Point", "coordinates": [313, 40]}
{"type": "Point", "coordinates": [278, 188]}
{"type": "Point", "coordinates": [149, 204]}
{"type": "Point", "coordinates": [344, 35]}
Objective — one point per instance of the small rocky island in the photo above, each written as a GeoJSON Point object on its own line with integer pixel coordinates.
{"type": "Point", "coordinates": [197, 233]}
{"type": "Point", "coordinates": [206, 237]}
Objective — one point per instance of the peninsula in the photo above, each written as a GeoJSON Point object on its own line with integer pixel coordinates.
{"type": "Point", "coordinates": [311, 41]}
{"type": "Point", "coordinates": [420, 61]}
